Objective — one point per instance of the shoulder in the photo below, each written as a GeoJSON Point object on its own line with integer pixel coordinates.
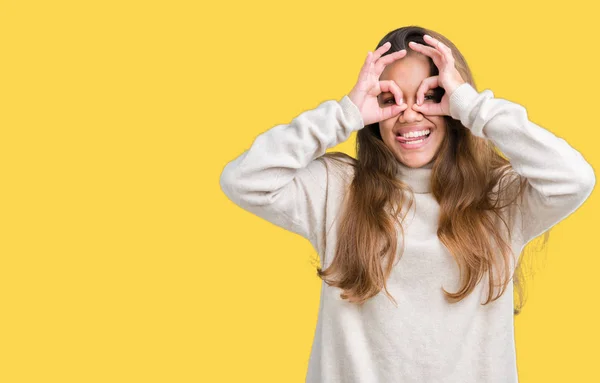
{"type": "Point", "coordinates": [340, 159]}
{"type": "Point", "coordinates": [339, 166]}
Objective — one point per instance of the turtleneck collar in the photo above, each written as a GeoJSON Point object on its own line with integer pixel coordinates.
{"type": "Point", "coordinates": [417, 178]}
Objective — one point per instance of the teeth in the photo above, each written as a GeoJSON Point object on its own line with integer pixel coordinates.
{"type": "Point", "coordinates": [414, 142]}
{"type": "Point", "coordinates": [416, 134]}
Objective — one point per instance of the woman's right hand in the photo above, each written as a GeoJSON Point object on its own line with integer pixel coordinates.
{"type": "Point", "coordinates": [365, 92]}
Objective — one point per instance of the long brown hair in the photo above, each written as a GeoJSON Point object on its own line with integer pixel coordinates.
{"type": "Point", "coordinates": [472, 182]}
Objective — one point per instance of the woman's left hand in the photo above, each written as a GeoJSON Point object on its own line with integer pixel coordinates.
{"type": "Point", "coordinates": [448, 77]}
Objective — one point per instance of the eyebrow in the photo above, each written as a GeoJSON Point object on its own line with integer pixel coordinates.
{"type": "Point", "coordinates": [434, 90]}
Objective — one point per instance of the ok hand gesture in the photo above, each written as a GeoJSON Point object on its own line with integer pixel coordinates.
{"type": "Point", "coordinates": [365, 92]}
{"type": "Point", "coordinates": [448, 77]}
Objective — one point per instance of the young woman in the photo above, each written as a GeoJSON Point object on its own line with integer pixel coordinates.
{"type": "Point", "coordinates": [420, 234]}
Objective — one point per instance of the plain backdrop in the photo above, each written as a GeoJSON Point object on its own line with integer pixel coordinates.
{"type": "Point", "coordinates": [121, 260]}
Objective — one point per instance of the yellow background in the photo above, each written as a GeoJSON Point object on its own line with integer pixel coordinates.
{"type": "Point", "coordinates": [120, 258]}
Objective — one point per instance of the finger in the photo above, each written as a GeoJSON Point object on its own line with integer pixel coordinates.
{"type": "Point", "coordinates": [392, 87]}
{"type": "Point", "coordinates": [381, 50]}
{"type": "Point", "coordinates": [365, 68]}
{"type": "Point", "coordinates": [392, 110]}
{"type": "Point", "coordinates": [430, 109]}
{"type": "Point", "coordinates": [435, 55]}
{"type": "Point", "coordinates": [433, 41]}
{"type": "Point", "coordinates": [440, 46]}
{"type": "Point", "coordinates": [388, 59]}
{"type": "Point", "coordinates": [428, 83]}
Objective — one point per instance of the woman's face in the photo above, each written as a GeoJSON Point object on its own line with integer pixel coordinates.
{"type": "Point", "coordinates": [408, 72]}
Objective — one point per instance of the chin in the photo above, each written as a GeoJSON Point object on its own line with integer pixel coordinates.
{"type": "Point", "coordinates": [415, 162]}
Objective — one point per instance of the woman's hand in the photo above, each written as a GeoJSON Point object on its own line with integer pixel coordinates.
{"type": "Point", "coordinates": [365, 92]}
{"type": "Point", "coordinates": [448, 77]}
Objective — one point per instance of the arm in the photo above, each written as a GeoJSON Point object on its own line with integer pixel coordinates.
{"type": "Point", "coordinates": [280, 179]}
{"type": "Point", "coordinates": [559, 178]}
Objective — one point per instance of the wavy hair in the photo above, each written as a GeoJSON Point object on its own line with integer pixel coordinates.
{"type": "Point", "coordinates": [472, 182]}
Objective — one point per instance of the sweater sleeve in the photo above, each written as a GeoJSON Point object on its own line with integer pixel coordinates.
{"type": "Point", "coordinates": [559, 178]}
{"type": "Point", "coordinates": [280, 178]}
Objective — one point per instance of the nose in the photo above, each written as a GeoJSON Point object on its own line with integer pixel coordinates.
{"type": "Point", "coordinates": [409, 114]}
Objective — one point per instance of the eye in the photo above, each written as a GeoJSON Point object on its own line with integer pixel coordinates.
{"type": "Point", "coordinates": [392, 100]}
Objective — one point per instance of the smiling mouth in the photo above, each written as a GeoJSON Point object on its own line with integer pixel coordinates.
{"type": "Point", "coordinates": [413, 143]}
{"type": "Point", "coordinates": [412, 140]}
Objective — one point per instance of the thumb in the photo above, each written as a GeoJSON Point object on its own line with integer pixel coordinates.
{"type": "Point", "coordinates": [432, 109]}
{"type": "Point", "coordinates": [423, 109]}
{"type": "Point", "coordinates": [429, 109]}
{"type": "Point", "coordinates": [392, 111]}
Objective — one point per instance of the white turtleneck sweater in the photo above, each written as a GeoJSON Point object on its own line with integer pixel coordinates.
{"type": "Point", "coordinates": [425, 339]}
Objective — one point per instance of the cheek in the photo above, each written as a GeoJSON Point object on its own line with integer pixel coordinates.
{"type": "Point", "coordinates": [439, 121]}
{"type": "Point", "coordinates": [385, 129]}
{"type": "Point", "coordinates": [440, 138]}
{"type": "Point", "coordinates": [440, 124]}
{"type": "Point", "coordinates": [440, 130]}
